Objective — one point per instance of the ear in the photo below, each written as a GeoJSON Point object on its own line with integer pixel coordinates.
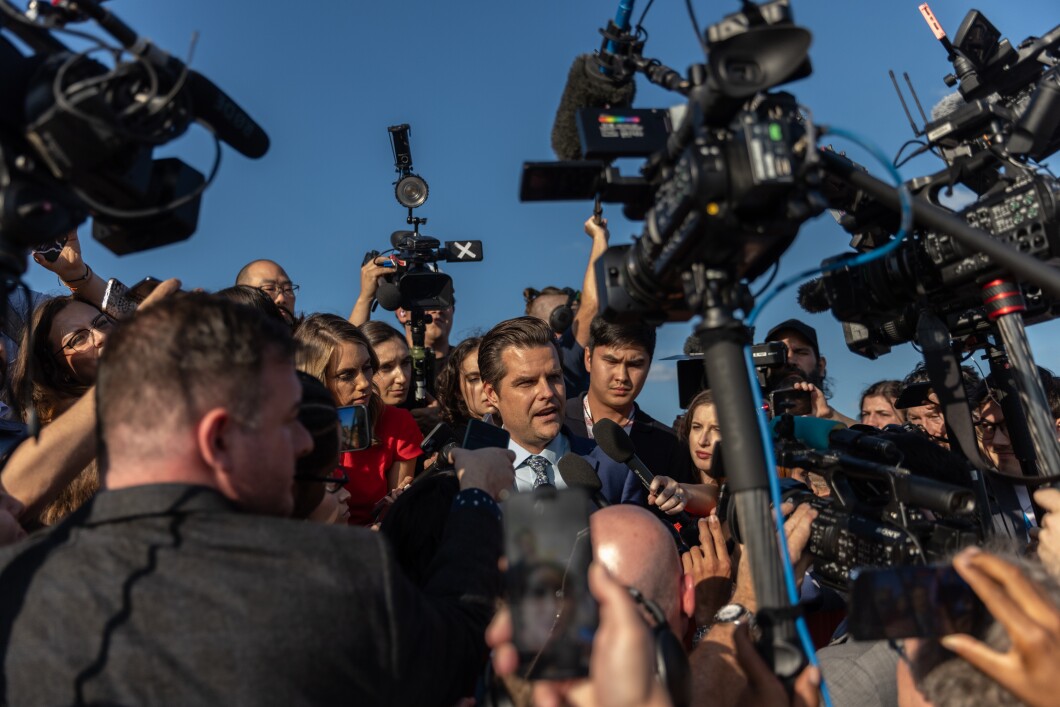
{"type": "Point", "coordinates": [688, 595]}
{"type": "Point", "coordinates": [822, 364]}
{"type": "Point", "coordinates": [213, 440]}
{"type": "Point", "coordinates": [403, 315]}
{"type": "Point", "coordinates": [491, 395]}
{"type": "Point", "coordinates": [588, 359]}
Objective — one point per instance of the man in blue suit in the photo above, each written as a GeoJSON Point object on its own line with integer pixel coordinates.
{"type": "Point", "coordinates": [522, 377]}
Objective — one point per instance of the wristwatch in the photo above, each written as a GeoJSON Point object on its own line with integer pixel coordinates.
{"type": "Point", "coordinates": [733, 614]}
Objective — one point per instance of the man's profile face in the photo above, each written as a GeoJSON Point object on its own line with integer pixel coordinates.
{"type": "Point", "coordinates": [271, 279]}
{"type": "Point", "coordinates": [930, 418]}
{"type": "Point", "coordinates": [530, 395]}
{"type": "Point", "coordinates": [801, 355]}
{"type": "Point", "coordinates": [617, 374]}
{"type": "Point", "coordinates": [993, 436]}
{"type": "Point", "coordinates": [264, 454]}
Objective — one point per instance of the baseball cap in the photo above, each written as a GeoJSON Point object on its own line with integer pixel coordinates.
{"type": "Point", "coordinates": [801, 328]}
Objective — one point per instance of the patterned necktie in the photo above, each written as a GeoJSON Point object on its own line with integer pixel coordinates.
{"type": "Point", "coordinates": [538, 465]}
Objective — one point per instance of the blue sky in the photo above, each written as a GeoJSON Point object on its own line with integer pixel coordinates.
{"type": "Point", "coordinates": [479, 82]}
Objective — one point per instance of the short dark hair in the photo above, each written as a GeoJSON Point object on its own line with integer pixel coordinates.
{"type": "Point", "coordinates": [175, 360]}
{"type": "Point", "coordinates": [605, 333]}
{"type": "Point", "coordinates": [530, 294]}
{"type": "Point", "coordinates": [520, 333]}
{"type": "Point", "coordinates": [252, 297]}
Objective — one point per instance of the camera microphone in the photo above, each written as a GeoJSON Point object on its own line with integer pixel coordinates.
{"type": "Point", "coordinates": [812, 296]}
{"type": "Point", "coordinates": [591, 85]}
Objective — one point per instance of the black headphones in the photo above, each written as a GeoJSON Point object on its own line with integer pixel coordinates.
{"type": "Point", "coordinates": [562, 316]}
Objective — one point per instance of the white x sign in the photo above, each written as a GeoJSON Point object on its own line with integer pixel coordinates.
{"type": "Point", "coordinates": [464, 250]}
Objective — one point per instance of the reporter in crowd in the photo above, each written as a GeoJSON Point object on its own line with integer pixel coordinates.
{"type": "Point", "coordinates": [701, 431]}
{"type": "Point", "coordinates": [270, 278]}
{"type": "Point", "coordinates": [338, 353]}
{"type": "Point", "coordinates": [618, 358]}
{"type": "Point", "coordinates": [199, 406]}
{"type": "Point", "coordinates": [254, 298]}
{"type": "Point", "coordinates": [320, 493]}
{"type": "Point", "coordinates": [877, 404]}
{"type": "Point", "coordinates": [460, 391]}
{"type": "Point", "coordinates": [922, 404]}
{"type": "Point", "coordinates": [393, 377]}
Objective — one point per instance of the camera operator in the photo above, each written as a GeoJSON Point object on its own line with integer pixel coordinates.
{"type": "Point", "coordinates": [273, 280]}
{"type": "Point", "coordinates": [572, 339]}
{"type": "Point", "coordinates": [804, 354]}
{"type": "Point", "coordinates": [921, 403]}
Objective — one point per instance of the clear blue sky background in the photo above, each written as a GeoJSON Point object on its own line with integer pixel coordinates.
{"type": "Point", "coordinates": [479, 81]}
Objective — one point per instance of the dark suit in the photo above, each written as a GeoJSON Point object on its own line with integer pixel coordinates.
{"type": "Point", "coordinates": [166, 594]}
{"type": "Point", "coordinates": [656, 444]}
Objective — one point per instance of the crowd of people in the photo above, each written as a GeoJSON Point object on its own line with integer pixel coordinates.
{"type": "Point", "coordinates": [177, 501]}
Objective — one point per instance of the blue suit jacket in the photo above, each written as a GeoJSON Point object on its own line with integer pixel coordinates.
{"type": "Point", "coordinates": [619, 483]}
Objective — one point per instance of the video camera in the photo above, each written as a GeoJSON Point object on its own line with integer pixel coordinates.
{"type": "Point", "coordinates": [770, 361]}
{"type": "Point", "coordinates": [886, 505]}
{"type": "Point", "coordinates": [415, 283]}
{"type": "Point", "coordinates": [77, 134]}
{"type": "Point", "coordinates": [1006, 115]}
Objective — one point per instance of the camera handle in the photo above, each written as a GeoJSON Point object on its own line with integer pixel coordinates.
{"type": "Point", "coordinates": [1004, 306]}
{"type": "Point", "coordinates": [724, 339]}
{"type": "Point", "coordinates": [421, 355]}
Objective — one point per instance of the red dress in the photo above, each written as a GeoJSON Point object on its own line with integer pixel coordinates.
{"type": "Point", "coordinates": [399, 439]}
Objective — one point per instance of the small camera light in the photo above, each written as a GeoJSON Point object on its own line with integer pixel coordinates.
{"type": "Point", "coordinates": [411, 191]}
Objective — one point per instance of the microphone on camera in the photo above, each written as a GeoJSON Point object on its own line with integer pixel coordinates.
{"type": "Point", "coordinates": [577, 472]}
{"type": "Point", "coordinates": [616, 444]}
{"type": "Point", "coordinates": [820, 434]}
{"type": "Point", "coordinates": [225, 118]}
{"type": "Point", "coordinates": [813, 297]}
{"type": "Point", "coordinates": [591, 85]}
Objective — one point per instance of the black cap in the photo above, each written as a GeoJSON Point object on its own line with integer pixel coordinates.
{"type": "Point", "coordinates": [913, 395]}
{"type": "Point", "coordinates": [801, 328]}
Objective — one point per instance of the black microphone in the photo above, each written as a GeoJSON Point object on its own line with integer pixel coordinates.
{"type": "Point", "coordinates": [617, 445]}
{"type": "Point", "coordinates": [225, 118]}
{"type": "Point", "coordinates": [388, 295]}
{"type": "Point", "coordinates": [578, 473]}
{"type": "Point", "coordinates": [812, 296]}
{"type": "Point", "coordinates": [586, 87]}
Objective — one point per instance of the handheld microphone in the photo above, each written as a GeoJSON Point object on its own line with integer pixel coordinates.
{"type": "Point", "coordinates": [617, 445]}
{"type": "Point", "coordinates": [577, 472]}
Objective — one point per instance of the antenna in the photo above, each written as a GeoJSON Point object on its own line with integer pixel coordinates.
{"type": "Point", "coordinates": [912, 123]}
{"type": "Point", "coordinates": [916, 98]}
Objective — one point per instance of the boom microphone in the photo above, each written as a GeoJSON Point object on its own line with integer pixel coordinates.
{"type": "Point", "coordinates": [586, 87]}
{"type": "Point", "coordinates": [812, 296]}
{"type": "Point", "coordinates": [577, 472]}
{"type": "Point", "coordinates": [214, 108]}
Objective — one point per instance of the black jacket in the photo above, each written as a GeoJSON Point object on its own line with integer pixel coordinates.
{"type": "Point", "coordinates": [657, 445]}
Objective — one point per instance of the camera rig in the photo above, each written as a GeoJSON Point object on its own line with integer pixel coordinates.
{"type": "Point", "coordinates": [77, 134]}
{"type": "Point", "coordinates": [415, 284]}
{"type": "Point", "coordinates": [722, 199]}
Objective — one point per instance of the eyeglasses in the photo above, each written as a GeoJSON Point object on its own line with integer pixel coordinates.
{"type": "Point", "coordinates": [273, 289]}
{"type": "Point", "coordinates": [332, 484]}
{"type": "Point", "coordinates": [986, 430]}
{"type": "Point", "coordinates": [81, 340]}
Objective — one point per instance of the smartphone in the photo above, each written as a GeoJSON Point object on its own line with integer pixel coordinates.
{"type": "Point", "coordinates": [791, 401]}
{"type": "Point", "coordinates": [916, 601]}
{"type": "Point", "coordinates": [441, 435]}
{"type": "Point", "coordinates": [51, 251]}
{"type": "Point", "coordinates": [119, 301]}
{"type": "Point", "coordinates": [355, 428]}
{"type": "Point", "coordinates": [481, 435]}
{"type": "Point", "coordinates": [554, 617]}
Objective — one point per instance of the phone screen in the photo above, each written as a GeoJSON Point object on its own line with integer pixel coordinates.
{"type": "Point", "coordinates": [481, 435]}
{"type": "Point", "coordinates": [554, 616]}
{"type": "Point", "coordinates": [355, 428]}
{"type": "Point", "coordinates": [919, 601]}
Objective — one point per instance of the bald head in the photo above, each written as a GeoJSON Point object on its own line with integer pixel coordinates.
{"type": "Point", "coordinates": [269, 277]}
{"type": "Point", "coordinates": [640, 552]}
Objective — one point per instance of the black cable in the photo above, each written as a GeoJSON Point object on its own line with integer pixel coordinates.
{"type": "Point", "coordinates": [695, 26]}
{"type": "Point", "coordinates": [157, 210]}
{"type": "Point", "coordinates": [772, 276]}
{"type": "Point", "coordinates": [642, 16]}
